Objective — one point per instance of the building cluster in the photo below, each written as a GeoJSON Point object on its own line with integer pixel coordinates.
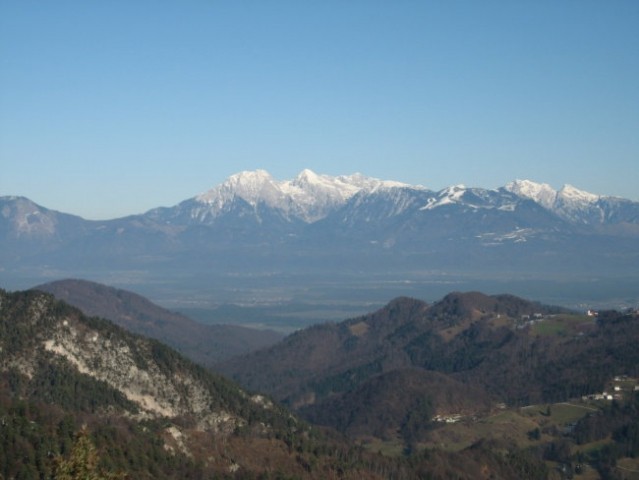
{"type": "Point", "coordinates": [529, 320]}
{"type": "Point", "coordinates": [452, 418]}
{"type": "Point", "coordinates": [620, 384]}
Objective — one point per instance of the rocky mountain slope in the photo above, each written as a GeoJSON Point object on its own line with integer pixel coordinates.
{"type": "Point", "coordinates": [66, 369]}
{"type": "Point", "coordinates": [204, 344]}
{"type": "Point", "coordinates": [79, 394]}
{"type": "Point", "coordinates": [151, 379]}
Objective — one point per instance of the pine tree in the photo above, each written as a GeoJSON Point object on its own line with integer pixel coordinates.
{"type": "Point", "coordinates": [82, 462]}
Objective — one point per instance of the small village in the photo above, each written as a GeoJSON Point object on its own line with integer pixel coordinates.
{"type": "Point", "coordinates": [530, 320]}
{"type": "Point", "coordinates": [620, 387]}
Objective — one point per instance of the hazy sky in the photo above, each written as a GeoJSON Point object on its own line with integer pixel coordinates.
{"type": "Point", "coordinates": [113, 107]}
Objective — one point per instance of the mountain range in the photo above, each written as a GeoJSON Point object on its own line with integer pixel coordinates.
{"type": "Point", "coordinates": [288, 237]}
{"type": "Point", "coordinates": [82, 398]}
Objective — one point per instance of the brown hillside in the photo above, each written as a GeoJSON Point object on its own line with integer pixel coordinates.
{"type": "Point", "coordinates": [205, 344]}
{"type": "Point", "coordinates": [386, 404]}
{"type": "Point", "coordinates": [519, 352]}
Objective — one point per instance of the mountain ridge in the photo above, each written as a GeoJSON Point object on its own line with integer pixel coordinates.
{"type": "Point", "coordinates": [489, 349]}
{"type": "Point", "coordinates": [320, 191]}
{"type": "Point", "coordinates": [349, 227]}
{"type": "Point", "coordinates": [311, 197]}
{"type": "Point", "coordinates": [204, 344]}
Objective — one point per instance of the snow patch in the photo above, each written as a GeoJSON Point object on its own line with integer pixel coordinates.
{"type": "Point", "coordinates": [541, 193]}
{"type": "Point", "coordinates": [447, 196]}
{"type": "Point", "coordinates": [568, 192]}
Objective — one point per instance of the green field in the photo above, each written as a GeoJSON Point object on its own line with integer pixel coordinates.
{"type": "Point", "coordinates": [562, 325]}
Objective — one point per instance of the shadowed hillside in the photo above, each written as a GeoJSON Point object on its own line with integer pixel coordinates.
{"type": "Point", "coordinates": [80, 394]}
{"type": "Point", "coordinates": [205, 344]}
{"type": "Point", "coordinates": [485, 349]}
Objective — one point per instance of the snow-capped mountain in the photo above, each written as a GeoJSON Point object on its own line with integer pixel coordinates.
{"type": "Point", "coordinates": [314, 222]}
{"type": "Point", "coordinates": [576, 206]}
{"type": "Point", "coordinates": [308, 197]}
{"type": "Point", "coordinates": [541, 193]}
{"type": "Point", "coordinates": [255, 196]}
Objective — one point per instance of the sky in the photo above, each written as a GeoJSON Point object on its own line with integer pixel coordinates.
{"type": "Point", "coordinates": [111, 108]}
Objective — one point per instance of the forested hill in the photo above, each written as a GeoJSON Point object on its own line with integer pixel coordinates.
{"type": "Point", "coordinates": [82, 398]}
{"type": "Point", "coordinates": [509, 350]}
{"type": "Point", "coordinates": [150, 412]}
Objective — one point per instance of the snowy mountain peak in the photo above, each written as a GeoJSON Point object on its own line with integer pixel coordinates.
{"type": "Point", "coordinates": [311, 183]}
{"type": "Point", "coordinates": [251, 186]}
{"type": "Point", "coordinates": [542, 193]}
{"type": "Point", "coordinates": [548, 197]}
{"type": "Point", "coordinates": [574, 194]}
{"type": "Point", "coordinates": [569, 203]}
{"type": "Point", "coordinates": [307, 176]}
{"type": "Point", "coordinates": [446, 196]}
{"type": "Point", "coordinates": [250, 177]}
{"type": "Point", "coordinates": [309, 196]}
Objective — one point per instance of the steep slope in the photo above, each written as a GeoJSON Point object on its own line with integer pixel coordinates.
{"type": "Point", "coordinates": [37, 329]}
{"type": "Point", "coordinates": [60, 369]}
{"type": "Point", "coordinates": [204, 344]}
{"type": "Point", "coordinates": [80, 394]}
{"type": "Point", "coordinates": [296, 369]}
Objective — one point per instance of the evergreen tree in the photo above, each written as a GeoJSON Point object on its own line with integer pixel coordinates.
{"type": "Point", "coordinates": [82, 462]}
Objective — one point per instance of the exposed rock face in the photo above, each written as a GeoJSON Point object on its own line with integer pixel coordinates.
{"type": "Point", "coordinates": [39, 330]}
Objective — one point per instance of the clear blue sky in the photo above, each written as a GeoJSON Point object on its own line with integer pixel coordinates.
{"type": "Point", "coordinates": [113, 107]}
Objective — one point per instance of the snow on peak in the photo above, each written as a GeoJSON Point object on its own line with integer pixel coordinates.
{"type": "Point", "coordinates": [569, 202]}
{"type": "Point", "coordinates": [311, 196]}
{"type": "Point", "coordinates": [455, 191]}
{"type": "Point", "coordinates": [447, 196]}
{"type": "Point", "coordinates": [308, 196]}
{"type": "Point", "coordinates": [310, 183]}
{"type": "Point", "coordinates": [308, 176]}
{"type": "Point", "coordinates": [362, 182]}
{"type": "Point", "coordinates": [251, 186]}
{"type": "Point", "coordinates": [542, 193]}
{"type": "Point", "coordinates": [546, 196]}
{"type": "Point", "coordinates": [568, 192]}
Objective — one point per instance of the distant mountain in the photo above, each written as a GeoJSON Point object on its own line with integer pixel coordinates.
{"type": "Point", "coordinates": [253, 226]}
{"type": "Point", "coordinates": [308, 197]}
{"type": "Point", "coordinates": [479, 348]}
{"type": "Point", "coordinates": [577, 206]}
{"type": "Point", "coordinates": [204, 344]}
